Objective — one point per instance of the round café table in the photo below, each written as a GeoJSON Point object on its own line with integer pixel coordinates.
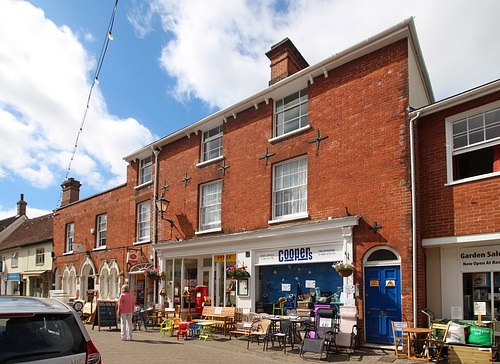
{"type": "Point", "coordinates": [412, 337]}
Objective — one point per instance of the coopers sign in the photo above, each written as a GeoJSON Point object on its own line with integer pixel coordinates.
{"type": "Point", "coordinates": [304, 254]}
{"type": "Point", "coordinates": [480, 259]}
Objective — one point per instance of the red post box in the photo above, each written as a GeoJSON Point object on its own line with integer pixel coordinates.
{"type": "Point", "coordinates": [200, 293]}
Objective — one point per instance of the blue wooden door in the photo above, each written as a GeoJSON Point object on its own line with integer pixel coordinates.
{"type": "Point", "coordinates": [382, 302]}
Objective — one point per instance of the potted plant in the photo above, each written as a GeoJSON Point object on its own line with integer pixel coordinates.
{"type": "Point", "coordinates": [236, 272]}
{"type": "Point", "coordinates": [152, 273]}
{"type": "Point", "coordinates": [344, 269]}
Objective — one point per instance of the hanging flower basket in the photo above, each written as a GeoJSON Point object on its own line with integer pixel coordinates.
{"type": "Point", "coordinates": [345, 272]}
{"type": "Point", "coordinates": [344, 269]}
{"type": "Point", "coordinates": [237, 273]}
{"type": "Point", "coordinates": [152, 273]}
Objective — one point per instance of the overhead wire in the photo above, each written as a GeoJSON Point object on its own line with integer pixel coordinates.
{"type": "Point", "coordinates": [95, 81]}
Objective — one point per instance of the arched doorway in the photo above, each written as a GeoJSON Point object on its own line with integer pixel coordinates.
{"type": "Point", "coordinates": [382, 288]}
{"type": "Point", "coordinates": [87, 279]}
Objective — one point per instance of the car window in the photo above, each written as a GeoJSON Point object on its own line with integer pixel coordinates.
{"type": "Point", "coordinates": [41, 336]}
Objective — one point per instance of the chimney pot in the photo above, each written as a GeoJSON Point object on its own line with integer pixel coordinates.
{"type": "Point", "coordinates": [21, 206]}
{"type": "Point", "coordinates": [285, 60]}
{"type": "Point", "coordinates": [71, 191]}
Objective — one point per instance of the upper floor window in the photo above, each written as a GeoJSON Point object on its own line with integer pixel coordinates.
{"type": "Point", "coordinates": [290, 189]}
{"type": "Point", "coordinates": [40, 256]}
{"type": "Point", "coordinates": [212, 143]}
{"type": "Point", "coordinates": [210, 206]}
{"type": "Point", "coordinates": [70, 236]}
{"type": "Point", "coordinates": [290, 113]}
{"type": "Point", "coordinates": [476, 142]}
{"type": "Point", "coordinates": [102, 227]}
{"type": "Point", "coordinates": [145, 170]}
{"type": "Point", "coordinates": [14, 261]}
{"type": "Point", "coordinates": [143, 217]}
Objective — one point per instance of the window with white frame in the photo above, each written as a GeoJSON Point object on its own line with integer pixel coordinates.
{"type": "Point", "coordinates": [40, 256]}
{"type": "Point", "coordinates": [145, 170]}
{"type": "Point", "coordinates": [102, 227]}
{"type": "Point", "coordinates": [143, 217]}
{"type": "Point", "coordinates": [210, 206]}
{"type": "Point", "coordinates": [70, 237]}
{"type": "Point", "coordinates": [290, 113]}
{"type": "Point", "coordinates": [475, 141]}
{"type": "Point", "coordinates": [14, 260]}
{"type": "Point", "coordinates": [290, 188]}
{"type": "Point", "coordinates": [212, 143]}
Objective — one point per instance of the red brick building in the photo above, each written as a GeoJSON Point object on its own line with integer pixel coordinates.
{"type": "Point", "coordinates": [459, 159]}
{"type": "Point", "coordinates": [314, 170]}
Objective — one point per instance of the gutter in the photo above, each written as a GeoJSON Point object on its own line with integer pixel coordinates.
{"type": "Point", "coordinates": [413, 217]}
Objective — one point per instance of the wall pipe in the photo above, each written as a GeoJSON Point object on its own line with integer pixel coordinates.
{"type": "Point", "coordinates": [413, 218]}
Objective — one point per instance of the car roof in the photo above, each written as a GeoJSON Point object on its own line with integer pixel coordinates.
{"type": "Point", "coordinates": [26, 304]}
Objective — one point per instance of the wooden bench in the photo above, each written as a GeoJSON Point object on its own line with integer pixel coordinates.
{"type": "Point", "coordinates": [244, 325]}
{"type": "Point", "coordinates": [223, 316]}
{"type": "Point", "coordinates": [458, 354]}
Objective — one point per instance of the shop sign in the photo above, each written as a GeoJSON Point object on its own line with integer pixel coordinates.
{"type": "Point", "coordinates": [480, 259]}
{"type": "Point", "coordinates": [132, 257]}
{"type": "Point", "coordinates": [303, 254]}
{"type": "Point", "coordinates": [14, 276]}
{"type": "Point", "coordinates": [229, 258]}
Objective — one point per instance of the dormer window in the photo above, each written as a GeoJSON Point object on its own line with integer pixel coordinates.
{"type": "Point", "coordinates": [290, 113]}
{"type": "Point", "coordinates": [212, 144]}
{"type": "Point", "coordinates": [145, 170]}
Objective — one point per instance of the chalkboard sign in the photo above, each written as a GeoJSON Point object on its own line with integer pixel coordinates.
{"type": "Point", "coordinates": [106, 314]}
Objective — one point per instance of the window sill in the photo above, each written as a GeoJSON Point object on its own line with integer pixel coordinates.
{"type": "Point", "coordinates": [303, 215]}
{"type": "Point", "coordinates": [100, 248]}
{"type": "Point", "coordinates": [475, 178]}
{"type": "Point", "coordinates": [202, 164]}
{"type": "Point", "coordinates": [141, 242]}
{"type": "Point", "coordinates": [68, 253]}
{"type": "Point", "coordinates": [296, 131]}
{"type": "Point", "coordinates": [208, 231]}
{"type": "Point", "coordinates": [138, 187]}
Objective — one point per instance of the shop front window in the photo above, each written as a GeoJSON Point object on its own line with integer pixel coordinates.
{"type": "Point", "coordinates": [169, 284]}
{"type": "Point", "coordinates": [484, 289]}
{"type": "Point", "coordinates": [190, 281]}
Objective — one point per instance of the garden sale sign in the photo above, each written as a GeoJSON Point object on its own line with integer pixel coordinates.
{"type": "Point", "coordinates": [480, 259]}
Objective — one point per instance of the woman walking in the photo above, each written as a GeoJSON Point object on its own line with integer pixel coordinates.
{"type": "Point", "coordinates": [126, 310]}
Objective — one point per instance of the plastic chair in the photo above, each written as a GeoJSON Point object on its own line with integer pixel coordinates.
{"type": "Point", "coordinates": [167, 325]}
{"type": "Point", "coordinates": [182, 330]}
{"type": "Point", "coordinates": [279, 306]}
{"type": "Point", "coordinates": [195, 328]}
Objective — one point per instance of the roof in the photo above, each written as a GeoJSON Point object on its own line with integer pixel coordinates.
{"type": "Point", "coordinates": [6, 222]}
{"type": "Point", "coordinates": [32, 231]}
{"type": "Point", "coordinates": [405, 29]}
{"type": "Point", "coordinates": [458, 99]}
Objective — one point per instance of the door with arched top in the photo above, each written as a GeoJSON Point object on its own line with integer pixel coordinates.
{"type": "Point", "coordinates": [382, 289]}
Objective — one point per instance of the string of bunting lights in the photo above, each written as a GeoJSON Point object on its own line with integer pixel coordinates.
{"type": "Point", "coordinates": [95, 81]}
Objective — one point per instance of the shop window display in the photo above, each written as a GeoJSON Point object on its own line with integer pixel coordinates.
{"type": "Point", "coordinates": [482, 287]}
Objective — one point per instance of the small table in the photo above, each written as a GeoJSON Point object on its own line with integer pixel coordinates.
{"type": "Point", "coordinates": [412, 332]}
{"type": "Point", "coordinates": [206, 329]}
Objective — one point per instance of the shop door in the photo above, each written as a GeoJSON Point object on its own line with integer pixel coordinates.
{"type": "Point", "coordinates": [382, 302]}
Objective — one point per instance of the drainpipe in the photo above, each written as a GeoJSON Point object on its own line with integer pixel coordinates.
{"type": "Point", "coordinates": [413, 218]}
{"type": "Point", "coordinates": [156, 152]}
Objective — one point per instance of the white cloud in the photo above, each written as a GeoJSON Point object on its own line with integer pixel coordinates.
{"type": "Point", "coordinates": [216, 50]}
{"type": "Point", "coordinates": [44, 73]}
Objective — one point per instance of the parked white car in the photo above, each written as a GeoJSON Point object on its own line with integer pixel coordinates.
{"type": "Point", "coordinates": [43, 330]}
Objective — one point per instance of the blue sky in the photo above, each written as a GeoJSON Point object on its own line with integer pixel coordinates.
{"type": "Point", "coordinates": [172, 63]}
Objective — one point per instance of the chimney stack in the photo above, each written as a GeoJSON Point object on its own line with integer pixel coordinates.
{"type": "Point", "coordinates": [71, 191]}
{"type": "Point", "coordinates": [21, 206]}
{"type": "Point", "coordinates": [285, 60]}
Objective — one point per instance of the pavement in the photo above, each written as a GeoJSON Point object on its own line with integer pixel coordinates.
{"type": "Point", "coordinates": [150, 348]}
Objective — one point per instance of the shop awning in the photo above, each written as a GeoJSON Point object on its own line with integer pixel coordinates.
{"type": "Point", "coordinates": [34, 273]}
